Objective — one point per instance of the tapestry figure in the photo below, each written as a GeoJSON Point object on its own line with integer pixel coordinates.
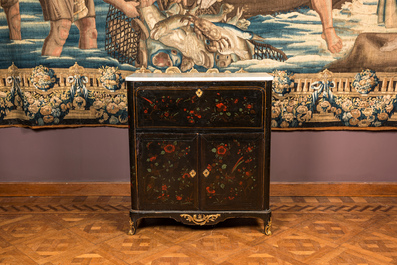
{"type": "Point", "coordinates": [62, 13]}
{"type": "Point", "coordinates": [11, 9]}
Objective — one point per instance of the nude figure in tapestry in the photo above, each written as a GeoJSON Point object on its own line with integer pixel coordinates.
{"type": "Point", "coordinates": [11, 9]}
{"type": "Point", "coordinates": [63, 13]}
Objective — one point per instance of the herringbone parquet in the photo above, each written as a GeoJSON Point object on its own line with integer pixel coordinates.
{"type": "Point", "coordinates": [93, 230]}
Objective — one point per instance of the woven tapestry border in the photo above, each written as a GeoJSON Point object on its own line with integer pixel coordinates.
{"type": "Point", "coordinates": [75, 97]}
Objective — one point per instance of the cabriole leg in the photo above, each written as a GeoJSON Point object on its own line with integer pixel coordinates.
{"type": "Point", "coordinates": [132, 227]}
{"type": "Point", "coordinates": [268, 226]}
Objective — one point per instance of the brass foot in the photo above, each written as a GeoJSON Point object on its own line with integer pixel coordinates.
{"type": "Point", "coordinates": [268, 227]}
{"type": "Point", "coordinates": [132, 230]}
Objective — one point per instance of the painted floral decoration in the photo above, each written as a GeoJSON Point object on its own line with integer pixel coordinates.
{"type": "Point", "coordinates": [162, 159]}
{"type": "Point", "coordinates": [221, 150]}
{"type": "Point", "coordinates": [365, 81]}
{"type": "Point", "coordinates": [43, 78]}
{"type": "Point", "coordinates": [111, 78]}
{"type": "Point", "coordinates": [232, 171]}
{"type": "Point", "coordinates": [231, 109]}
{"type": "Point", "coordinates": [283, 82]}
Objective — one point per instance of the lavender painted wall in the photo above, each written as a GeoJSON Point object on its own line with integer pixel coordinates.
{"type": "Point", "coordinates": [64, 155]}
{"type": "Point", "coordinates": [101, 154]}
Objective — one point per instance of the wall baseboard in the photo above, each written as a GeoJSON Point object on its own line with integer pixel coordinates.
{"type": "Point", "coordinates": [306, 189]}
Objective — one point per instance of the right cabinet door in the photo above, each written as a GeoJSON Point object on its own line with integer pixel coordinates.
{"type": "Point", "coordinates": [232, 173]}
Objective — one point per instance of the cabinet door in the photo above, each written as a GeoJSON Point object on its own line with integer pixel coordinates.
{"type": "Point", "coordinates": [232, 174]}
{"type": "Point", "coordinates": [166, 166]}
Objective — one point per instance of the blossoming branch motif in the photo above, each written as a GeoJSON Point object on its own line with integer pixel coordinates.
{"type": "Point", "coordinates": [231, 171]}
{"type": "Point", "coordinates": [283, 82]}
{"type": "Point", "coordinates": [109, 109]}
{"type": "Point", "coordinates": [365, 81]}
{"type": "Point", "coordinates": [43, 78]}
{"type": "Point", "coordinates": [364, 112]}
{"type": "Point", "coordinates": [229, 109]}
{"type": "Point", "coordinates": [291, 112]}
{"type": "Point", "coordinates": [173, 109]}
{"type": "Point", "coordinates": [111, 78]}
{"type": "Point", "coordinates": [162, 159]}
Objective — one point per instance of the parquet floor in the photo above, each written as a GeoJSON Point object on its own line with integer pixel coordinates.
{"type": "Point", "coordinates": [93, 230]}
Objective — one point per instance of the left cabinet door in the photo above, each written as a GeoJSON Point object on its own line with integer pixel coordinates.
{"type": "Point", "coordinates": [167, 171]}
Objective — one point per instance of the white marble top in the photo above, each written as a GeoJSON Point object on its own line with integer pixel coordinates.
{"type": "Point", "coordinates": [198, 77]}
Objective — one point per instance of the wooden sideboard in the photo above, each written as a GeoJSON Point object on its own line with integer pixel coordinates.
{"type": "Point", "coordinates": [199, 147]}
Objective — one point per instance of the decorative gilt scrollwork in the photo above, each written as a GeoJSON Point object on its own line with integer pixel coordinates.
{"type": "Point", "coordinates": [268, 227]}
{"type": "Point", "coordinates": [200, 219]}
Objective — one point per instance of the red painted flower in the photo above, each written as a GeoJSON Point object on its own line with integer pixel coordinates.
{"type": "Point", "coordinates": [179, 198]}
{"type": "Point", "coordinates": [221, 150]}
{"type": "Point", "coordinates": [169, 148]}
{"type": "Point", "coordinates": [221, 106]}
{"type": "Point", "coordinates": [164, 187]}
{"type": "Point", "coordinates": [249, 106]}
{"type": "Point", "coordinates": [209, 191]}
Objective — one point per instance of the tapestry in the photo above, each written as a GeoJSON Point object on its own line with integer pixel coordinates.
{"type": "Point", "coordinates": [64, 62]}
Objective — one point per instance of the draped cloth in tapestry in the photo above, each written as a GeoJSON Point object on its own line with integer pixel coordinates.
{"type": "Point", "coordinates": [64, 63]}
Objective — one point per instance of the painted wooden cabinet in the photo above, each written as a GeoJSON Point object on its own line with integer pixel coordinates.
{"type": "Point", "coordinates": [199, 147]}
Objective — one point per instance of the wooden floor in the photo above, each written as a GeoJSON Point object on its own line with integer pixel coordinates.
{"type": "Point", "coordinates": [93, 230]}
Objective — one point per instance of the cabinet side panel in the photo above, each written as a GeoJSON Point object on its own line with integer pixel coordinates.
{"type": "Point", "coordinates": [267, 139]}
{"type": "Point", "coordinates": [131, 135]}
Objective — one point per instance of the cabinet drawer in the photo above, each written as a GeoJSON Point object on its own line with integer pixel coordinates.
{"type": "Point", "coordinates": [194, 107]}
